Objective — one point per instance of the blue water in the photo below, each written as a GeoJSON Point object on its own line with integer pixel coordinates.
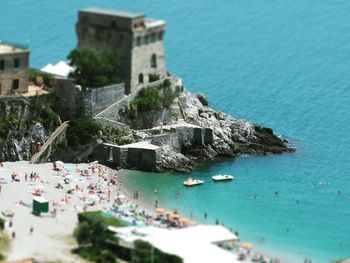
{"type": "Point", "coordinates": [283, 64]}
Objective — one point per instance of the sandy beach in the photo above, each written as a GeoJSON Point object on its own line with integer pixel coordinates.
{"type": "Point", "coordinates": [51, 237]}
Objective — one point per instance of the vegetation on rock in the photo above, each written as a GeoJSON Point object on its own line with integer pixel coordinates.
{"type": "Point", "coordinates": [154, 98]}
{"type": "Point", "coordinates": [81, 131]}
{"type": "Point", "coordinates": [94, 69]}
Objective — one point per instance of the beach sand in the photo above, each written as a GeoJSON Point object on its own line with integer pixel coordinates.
{"type": "Point", "coordinates": [52, 236]}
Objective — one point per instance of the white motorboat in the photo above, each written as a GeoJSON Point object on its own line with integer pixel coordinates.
{"type": "Point", "coordinates": [224, 177]}
{"type": "Point", "coordinates": [192, 182]}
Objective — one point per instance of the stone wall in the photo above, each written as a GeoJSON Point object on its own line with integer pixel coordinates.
{"type": "Point", "coordinates": [111, 124]}
{"type": "Point", "coordinates": [87, 103]}
{"type": "Point", "coordinates": [166, 139]}
{"type": "Point", "coordinates": [116, 156]}
{"type": "Point", "coordinates": [98, 99]}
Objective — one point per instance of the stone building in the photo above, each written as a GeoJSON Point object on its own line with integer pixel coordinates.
{"type": "Point", "coordinates": [137, 40]}
{"type": "Point", "coordinates": [14, 62]}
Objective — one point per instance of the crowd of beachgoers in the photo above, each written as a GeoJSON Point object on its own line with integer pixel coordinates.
{"type": "Point", "coordinates": [70, 189]}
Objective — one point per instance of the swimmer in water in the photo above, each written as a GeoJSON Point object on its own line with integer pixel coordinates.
{"type": "Point", "coordinates": [156, 190]}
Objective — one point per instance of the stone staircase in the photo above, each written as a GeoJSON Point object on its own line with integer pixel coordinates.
{"type": "Point", "coordinates": [62, 128]}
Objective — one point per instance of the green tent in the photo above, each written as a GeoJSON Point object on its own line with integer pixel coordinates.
{"type": "Point", "coordinates": [40, 205]}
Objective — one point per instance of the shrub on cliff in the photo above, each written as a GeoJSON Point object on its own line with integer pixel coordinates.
{"type": "Point", "coordinates": [94, 69]}
{"type": "Point", "coordinates": [81, 132]}
{"type": "Point", "coordinates": [154, 98]}
{"type": "Point", "coordinates": [145, 253]}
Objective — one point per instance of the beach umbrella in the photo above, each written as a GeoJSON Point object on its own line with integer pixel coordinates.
{"type": "Point", "coordinates": [169, 213]}
{"type": "Point", "coordinates": [247, 246]}
{"type": "Point", "coordinates": [175, 216]}
{"type": "Point", "coordinates": [160, 210]}
{"type": "Point", "coordinates": [120, 197]}
{"type": "Point", "coordinates": [184, 220]}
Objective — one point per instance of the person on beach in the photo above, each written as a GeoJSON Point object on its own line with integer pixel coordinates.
{"type": "Point", "coordinates": [13, 235]}
{"type": "Point", "coordinates": [26, 177]}
{"type": "Point", "coordinates": [31, 230]}
{"type": "Point", "coordinates": [0, 188]}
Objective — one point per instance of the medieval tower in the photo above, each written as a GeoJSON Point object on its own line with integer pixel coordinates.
{"type": "Point", "coordinates": [137, 40]}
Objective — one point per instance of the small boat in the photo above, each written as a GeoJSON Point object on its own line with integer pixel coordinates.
{"type": "Point", "coordinates": [192, 182]}
{"type": "Point", "coordinates": [224, 177]}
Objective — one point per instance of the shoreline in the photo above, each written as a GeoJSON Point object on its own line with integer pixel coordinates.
{"type": "Point", "coordinates": [63, 225]}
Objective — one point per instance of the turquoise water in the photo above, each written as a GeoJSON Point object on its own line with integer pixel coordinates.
{"type": "Point", "coordinates": [283, 64]}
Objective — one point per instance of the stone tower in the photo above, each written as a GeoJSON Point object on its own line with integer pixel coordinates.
{"type": "Point", "coordinates": [137, 40]}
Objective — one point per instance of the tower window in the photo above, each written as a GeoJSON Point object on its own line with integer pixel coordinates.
{"type": "Point", "coordinates": [2, 64]}
{"type": "Point", "coordinates": [15, 84]}
{"type": "Point", "coordinates": [138, 41]}
{"type": "Point", "coordinates": [160, 35]}
{"type": "Point", "coordinates": [140, 78]}
{"type": "Point", "coordinates": [16, 63]}
{"type": "Point", "coordinates": [153, 61]}
{"type": "Point", "coordinates": [153, 37]}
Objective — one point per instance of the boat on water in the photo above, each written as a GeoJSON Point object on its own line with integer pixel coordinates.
{"type": "Point", "coordinates": [224, 177]}
{"type": "Point", "coordinates": [192, 182]}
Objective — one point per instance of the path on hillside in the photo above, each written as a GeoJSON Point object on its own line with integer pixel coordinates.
{"type": "Point", "coordinates": [51, 139]}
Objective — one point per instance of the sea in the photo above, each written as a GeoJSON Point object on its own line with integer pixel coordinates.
{"type": "Point", "coordinates": [281, 64]}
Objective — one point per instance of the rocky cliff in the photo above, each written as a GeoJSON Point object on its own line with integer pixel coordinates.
{"type": "Point", "coordinates": [231, 137]}
{"type": "Point", "coordinates": [24, 126]}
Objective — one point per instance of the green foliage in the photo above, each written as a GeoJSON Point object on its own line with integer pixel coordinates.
{"type": "Point", "coordinates": [153, 77]}
{"type": "Point", "coordinates": [113, 135]}
{"type": "Point", "coordinates": [2, 257]}
{"type": "Point", "coordinates": [93, 69]}
{"type": "Point", "coordinates": [34, 73]}
{"type": "Point", "coordinates": [145, 253]}
{"type": "Point", "coordinates": [89, 253]}
{"type": "Point", "coordinates": [149, 99]}
{"type": "Point", "coordinates": [167, 83]}
{"type": "Point", "coordinates": [41, 106]}
{"type": "Point", "coordinates": [106, 256]}
{"type": "Point", "coordinates": [2, 224]}
{"type": "Point", "coordinates": [93, 236]}
{"type": "Point", "coordinates": [81, 131]}
{"type": "Point", "coordinates": [154, 98]}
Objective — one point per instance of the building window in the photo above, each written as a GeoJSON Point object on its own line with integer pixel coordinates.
{"type": "Point", "coordinates": [160, 36]}
{"type": "Point", "coordinates": [16, 63]}
{"type": "Point", "coordinates": [153, 61]}
{"type": "Point", "coordinates": [153, 37]}
{"type": "Point", "coordinates": [140, 78]}
{"type": "Point", "coordinates": [15, 84]}
{"type": "Point", "coordinates": [138, 41]}
{"type": "Point", "coordinates": [146, 39]}
{"type": "Point", "coordinates": [2, 64]}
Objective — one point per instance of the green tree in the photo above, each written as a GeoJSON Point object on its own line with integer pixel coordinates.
{"type": "Point", "coordinates": [81, 131]}
{"type": "Point", "coordinates": [94, 69]}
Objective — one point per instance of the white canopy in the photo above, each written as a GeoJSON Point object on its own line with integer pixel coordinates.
{"type": "Point", "coordinates": [61, 69]}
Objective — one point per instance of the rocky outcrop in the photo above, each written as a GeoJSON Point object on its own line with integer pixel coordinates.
{"type": "Point", "coordinates": [231, 137]}
{"type": "Point", "coordinates": [22, 130]}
